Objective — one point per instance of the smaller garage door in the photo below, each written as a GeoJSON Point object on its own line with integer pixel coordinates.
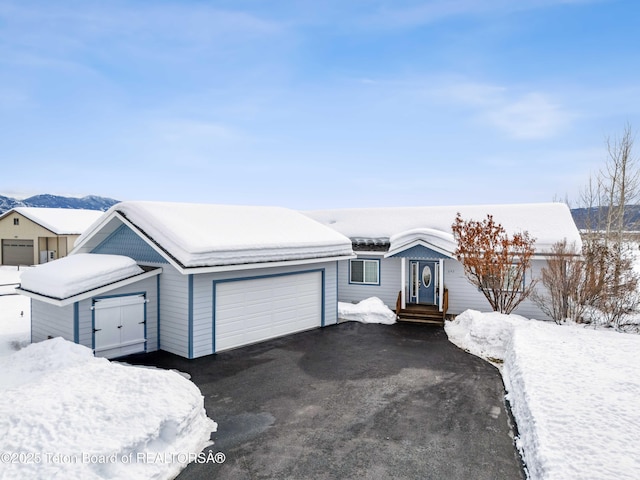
{"type": "Point", "coordinates": [17, 252]}
{"type": "Point", "coordinates": [249, 311]}
{"type": "Point", "coordinates": [119, 325]}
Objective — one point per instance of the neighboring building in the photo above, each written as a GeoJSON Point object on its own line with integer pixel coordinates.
{"type": "Point", "coordinates": [199, 279]}
{"type": "Point", "coordinates": [405, 255]}
{"type": "Point", "coordinates": [189, 279]}
{"type": "Point", "coordinates": [31, 236]}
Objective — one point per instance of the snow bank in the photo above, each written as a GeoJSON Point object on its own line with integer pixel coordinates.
{"type": "Point", "coordinates": [79, 273]}
{"type": "Point", "coordinates": [66, 414]}
{"type": "Point", "coordinates": [573, 392]}
{"type": "Point", "coordinates": [370, 310]}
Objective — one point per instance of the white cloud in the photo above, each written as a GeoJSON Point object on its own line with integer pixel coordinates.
{"type": "Point", "coordinates": [531, 116]}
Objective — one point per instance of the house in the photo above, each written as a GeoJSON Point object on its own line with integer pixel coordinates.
{"type": "Point", "coordinates": [31, 236]}
{"type": "Point", "coordinates": [188, 279]}
{"type": "Point", "coordinates": [405, 256]}
{"type": "Point", "coordinates": [200, 279]}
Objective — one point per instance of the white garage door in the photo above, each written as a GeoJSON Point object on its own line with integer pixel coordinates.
{"type": "Point", "coordinates": [249, 311]}
{"type": "Point", "coordinates": [119, 326]}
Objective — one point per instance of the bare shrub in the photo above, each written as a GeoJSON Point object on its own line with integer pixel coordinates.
{"type": "Point", "coordinates": [495, 262]}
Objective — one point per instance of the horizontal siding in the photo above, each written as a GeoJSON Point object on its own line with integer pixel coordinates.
{"type": "Point", "coordinates": [174, 312]}
{"type": "Point", "coordinates": [387, 291]}
{"type": "Point", "coordinates": [203, 299]}
{"type": "Point", "coordinates": [51, 321]}
{"type": "Point", "coordinates": [463, 295]}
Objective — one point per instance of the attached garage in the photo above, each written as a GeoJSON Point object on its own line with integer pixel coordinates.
{"type": "Point", "coordinates": [227, 276]}
{"type": "Point", "coordinates": [252, 310]}
{"type": "Point", "coordinates": [17, 252]}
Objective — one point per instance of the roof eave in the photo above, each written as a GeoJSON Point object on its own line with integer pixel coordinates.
{"type": "Point", "coordinates": [62, 302]}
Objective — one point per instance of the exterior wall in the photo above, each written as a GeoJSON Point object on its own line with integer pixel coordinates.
{"type": "Point", "coordinates": [202, 288]}
{"type": "Point", "coordinates": [29, 230]}
{"type": "Point", "coordinates": [463, 295]}
{"type": "Point", "coordinates": [50, 321]}
{"type": "Point", "coordinates": [387, 291]}
{"type": "Point", "coordinates": [174, 311]}
{"type": "Point", "coordinates": [148, 287]}
{"type": "Point", "coordinates": [124, 241]}
{"type": "Point", "coordinates": [75, 322]}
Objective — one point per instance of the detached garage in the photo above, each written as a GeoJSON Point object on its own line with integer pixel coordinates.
{"type": "Point", "coordinates": [223, 277]}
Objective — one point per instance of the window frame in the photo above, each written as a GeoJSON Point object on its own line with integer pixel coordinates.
{"type": "Point", "coordinates": [364, 261]}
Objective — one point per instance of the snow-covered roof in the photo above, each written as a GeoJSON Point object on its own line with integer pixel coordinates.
{"type": "Point", "coordinates": [60, 221]}
{"type": "Point", "coordinates": [548, 223]}
{"type": "Point", "coordinates": [75, 274]}
{"type": "Point", "coordinates": [203, 235]}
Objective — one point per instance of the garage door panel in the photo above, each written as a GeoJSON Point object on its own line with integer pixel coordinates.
{"type": "Point", "coordinates": [17, 252]}
{"type": "Point", "coordinates": [249, 311]}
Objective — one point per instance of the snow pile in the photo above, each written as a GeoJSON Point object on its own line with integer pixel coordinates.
{"type": "Point", "coordinates": [212, 235]}
{"type": "Point", "coordinates": [370, 310]}
{"type": "Point", "coordinates": [79, 273]}
{"type": "Point", "coordinates": [66, 414]}
{"type": "Point", "coordinates": [573, 392]}
{"type": "Point", "coordinates": [486, 335]}
{"type": "Point", "coordinates": [15, 323]}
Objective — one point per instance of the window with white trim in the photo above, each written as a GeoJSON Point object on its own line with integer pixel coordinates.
{"type": "Point", "coordinates": [365, 272]}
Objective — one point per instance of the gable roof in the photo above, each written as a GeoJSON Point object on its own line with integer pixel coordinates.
{"type": "Point", "coordinates": [548, 223]}
{"type": "Point", "coordinates": [60, 221]}
{"type": "Point", "coordinates": [201, 235]}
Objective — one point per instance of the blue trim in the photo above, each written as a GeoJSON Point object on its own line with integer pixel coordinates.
{"type": "Point", "coordinates": [190, 317]}
{"type": "Point", "coordinates": [259, 277]}
{"type": "Point", "coordinates": [363, 283]}
{"type": "Point", "coordinates": [158, 311]}
{"type": "Point", "coordinates": [76, 322]}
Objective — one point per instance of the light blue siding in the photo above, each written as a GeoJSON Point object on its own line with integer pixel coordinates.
{"type": "Point", "coordinates": [420, 252]}
{"type": "Point", "coordinates": [203, 330]}
{"type": "Point", "coordinates": [75, 322]}
{"type": "Point", "coordinates": [124, 241]}
{"type": "Point", "coordinates": [51, 321]}
{"type": "Point", "coordinates": [387, 290]}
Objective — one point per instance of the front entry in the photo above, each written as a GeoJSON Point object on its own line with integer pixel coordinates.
{"type": "Point", "coordinates": [423, 282]}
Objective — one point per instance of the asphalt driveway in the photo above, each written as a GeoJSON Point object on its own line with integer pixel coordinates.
{"type": "Point", "coordinates": [353, 401]}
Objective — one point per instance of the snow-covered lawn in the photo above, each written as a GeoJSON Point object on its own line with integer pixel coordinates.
{"type": "Point", "coordinates": [66, 414]}
{"type": "Point", "coordinates": [573, 392]}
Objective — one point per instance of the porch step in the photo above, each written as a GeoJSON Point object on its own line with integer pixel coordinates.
{"type": "Point", "coordinates": [421, 314]}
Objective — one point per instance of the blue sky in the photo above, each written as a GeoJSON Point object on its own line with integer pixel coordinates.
{"type": "Point", "coordinates": [314, 104]}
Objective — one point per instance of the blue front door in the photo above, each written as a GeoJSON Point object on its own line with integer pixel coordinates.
{"type": "Point", "coordinates": [423, 281]}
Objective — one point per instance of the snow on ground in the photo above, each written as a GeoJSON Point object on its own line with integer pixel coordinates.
{"type": "Point", "coordinates": [66, 414]}
{"type": "Point", "coordinates": [370, 310]}
{"type": "Point", "coordinates": [573, 392]}
{"type": "Point", "coordinates": [15, 313]}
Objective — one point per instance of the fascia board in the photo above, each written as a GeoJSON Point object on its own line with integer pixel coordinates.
{"type": "Point", "coordinates": [250, 266]}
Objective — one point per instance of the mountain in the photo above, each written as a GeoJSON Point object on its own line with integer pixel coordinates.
{"type": "Point", "coordinates": [631, 216]}
{"type": "Point", "coordinates": [90, 202]}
